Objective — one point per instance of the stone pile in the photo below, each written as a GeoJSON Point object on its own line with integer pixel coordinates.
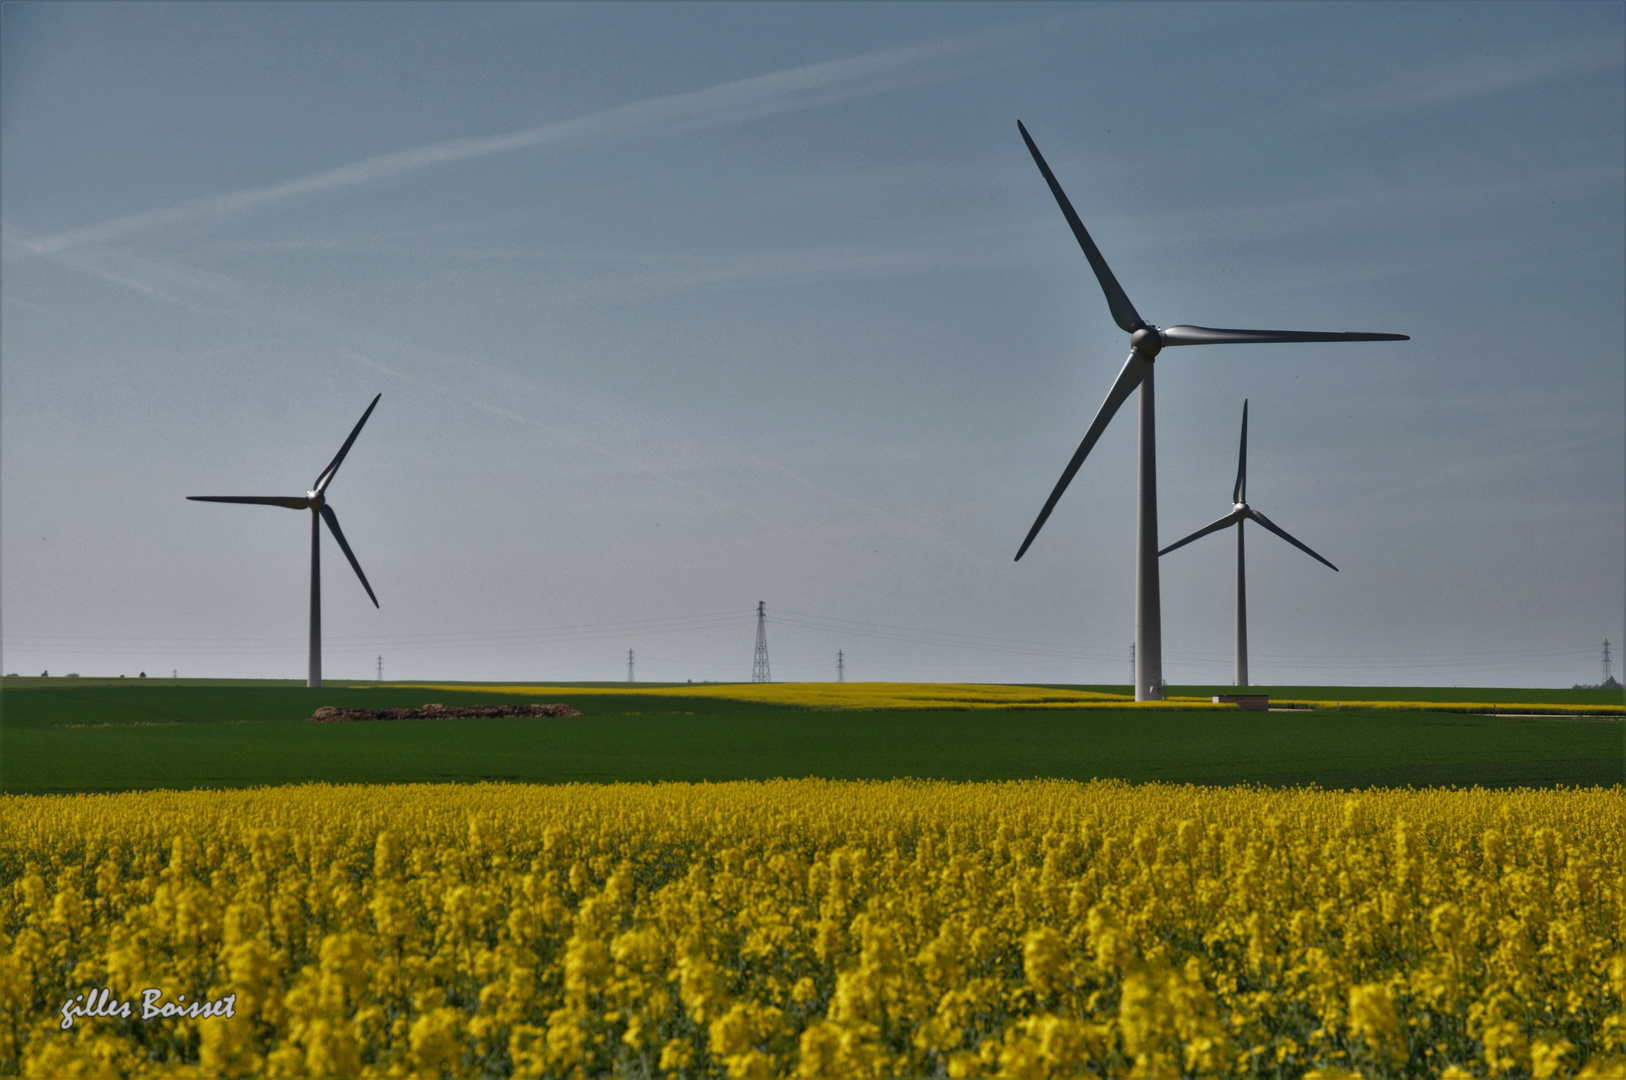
{"type": "Point", "coordinates": [328, 714]}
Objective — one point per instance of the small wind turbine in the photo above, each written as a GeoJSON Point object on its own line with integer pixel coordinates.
{"type": "Point", "coordinates": [314, 500]}
{"type": "Point", "coordinates": [1145, 342]}
{"type": "Point", "coordinates": [1240, 512]}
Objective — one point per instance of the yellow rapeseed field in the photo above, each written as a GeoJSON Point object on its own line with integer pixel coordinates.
{"type": "Point", "coordinates": [874, 695]}
{"type": "Point", "coordinates": [882, 695]}
{"type": "Point", "coordinates": [814, 928]}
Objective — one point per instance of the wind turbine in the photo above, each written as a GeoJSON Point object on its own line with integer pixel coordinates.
{"type": "Point", "coordinates": [1145, 342]}
{"type": "Point", "coordinates": [1240, 512]}
{"type": "Point", "coordinates": [314, 500]}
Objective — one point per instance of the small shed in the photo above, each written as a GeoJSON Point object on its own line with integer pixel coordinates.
{"type": "Point", "coordinates": [1249, 702]}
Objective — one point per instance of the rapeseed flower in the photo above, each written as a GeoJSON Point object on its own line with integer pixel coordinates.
{"type": "Point", "coordinates": [813, 928]}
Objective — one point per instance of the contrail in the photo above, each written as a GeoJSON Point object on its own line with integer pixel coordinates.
{"type": "Point", "coordinates": [457, 388]}
{"type": "Point", "coordinates": [726, 103]}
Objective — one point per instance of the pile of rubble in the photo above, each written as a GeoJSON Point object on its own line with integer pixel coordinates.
{"type": "Point", "coordinates": [327, 714]}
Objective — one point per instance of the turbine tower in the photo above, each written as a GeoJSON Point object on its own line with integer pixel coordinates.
{"type": "Point", "coordinates": [314, 500]}
{"type": "Point", "coordinates": [1241, 512]}
{"type": "Point", "coordinates": [1145, 342]}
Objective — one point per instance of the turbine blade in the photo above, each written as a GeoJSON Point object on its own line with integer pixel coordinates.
{"type": "Point", "coordinates": [333, 466]}
{"type": "Point", "coordinates": [1206, 335]}
{"type": "Point", "coordinates": [292, 502]}
{"type": "Point", "coordinates": [332, 520]}
{"type": "Point", "coordinates": [1240, 492]}
{"type": "Point", "coordinates": [1281, 532]}
{"type": "Point", "coordinates": [1227, 520]}
{"type": "Point", "coordinates": [1123, 312]}
{"type": "Point", "coordinates": [1134, 370]}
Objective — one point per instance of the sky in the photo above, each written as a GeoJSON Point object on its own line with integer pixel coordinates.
{"type": "Point", "coordinates": [676, 308]}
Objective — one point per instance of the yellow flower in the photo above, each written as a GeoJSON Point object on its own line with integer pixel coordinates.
{"type": "Point", "coordinates": [817, 928]}
{"type": "Point", "coordinates": [1044, 959]}
{"type": "Point", "coordinates": [1547, 1056]}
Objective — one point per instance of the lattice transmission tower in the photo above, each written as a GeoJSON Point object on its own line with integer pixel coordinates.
{"type": "Point", "coordinates": [841, 667]}
{"type": "Point", "coordinates": [759, 664]}
{"type": "Point", "coordinates": [629, 665]}
{"type": "Point", "coordinates": [1606, 660]}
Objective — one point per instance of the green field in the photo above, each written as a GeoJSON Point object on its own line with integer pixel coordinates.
{"type": "Point", "coordinates": [1496, 696]}
{"type": "Point", "coordinates": [62, 735]}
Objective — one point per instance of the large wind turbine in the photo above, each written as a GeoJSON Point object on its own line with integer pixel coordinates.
{"type": "Point", "coordinates": [1145, 342]}
{"type": "Point", "coordinates": [314, 500]}
{"type": "Point", "coordinates": [1240, 512]}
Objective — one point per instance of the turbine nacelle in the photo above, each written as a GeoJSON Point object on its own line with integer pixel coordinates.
{"type": "Point", "coordinates": [1148, 341]}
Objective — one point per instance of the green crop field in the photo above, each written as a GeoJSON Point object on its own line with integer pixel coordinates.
{"type": "Point", "coordinates": [1497, 696]}
{"type": "Point", "coordinates": [62, 735]}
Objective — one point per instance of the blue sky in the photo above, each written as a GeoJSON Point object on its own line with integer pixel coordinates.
{"type": "Point", "coordinates": [679, 307]}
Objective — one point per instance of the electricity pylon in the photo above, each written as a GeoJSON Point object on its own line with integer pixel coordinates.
{"type": "Point", "coordinates": [759, 664]}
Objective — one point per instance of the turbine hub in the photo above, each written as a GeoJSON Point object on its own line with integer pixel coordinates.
{"type": "Point", "coordinates": [1146, 342]}
{"type": "Point", "coordinates": [1240, 508]}
{"type": "Point", "coordinates": [317, 500]}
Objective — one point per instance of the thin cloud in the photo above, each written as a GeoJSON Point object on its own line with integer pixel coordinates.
{"type": "Point", "coordinates": [727, 103]}
{"type": "Point", "coordinates": [8, 298]}
{"type": "Point", "coordinates": [121, 280]}
{"type": "Point", "coordinates": [379, 366]}
{"type": "Point", "coordinates": [458, 375]}
{"type": "Point", "coordinates": [1480, 466]}
{"type": "Point", "coordinates": [460, 372]}
{"type": "Point", "coordinates": [1472, 78]}
{"type": "Point", "coordinates": [949, 252]}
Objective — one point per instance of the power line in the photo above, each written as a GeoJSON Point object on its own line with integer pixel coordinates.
{"type": "Point", "coordinates": [949, 639]}
{"type": "Point", "coordinates": [444, 640]}
{"type": "Point", "coordinates": [1465, 663]}
{"type": "Point", "coordinates": [1025, 653]}
{"type": "Point", "coordinates": [723, 620]}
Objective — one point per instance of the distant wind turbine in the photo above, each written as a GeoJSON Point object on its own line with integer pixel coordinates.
{"type": "Point", "coordinates": [1145, 342]}
{"type": "Point", "coordinates": [314, 500]}
{"type": "Point", "coordinates": [1240, 512]}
